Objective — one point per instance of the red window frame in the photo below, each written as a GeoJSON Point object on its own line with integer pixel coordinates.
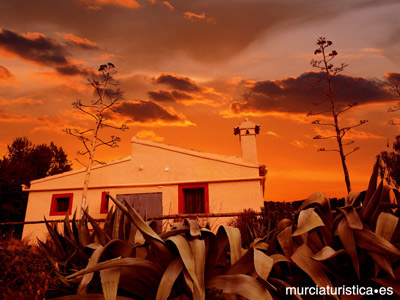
{"type": "Point", "coordinates": [181, 196]}
{"type": "Point", "coordinates": [53, 206]}
{"type": "Point", "coordinates": [104, 204]}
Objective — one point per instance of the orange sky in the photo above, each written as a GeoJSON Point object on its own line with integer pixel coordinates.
{"type": "Point", "coordinates": [193, 70]}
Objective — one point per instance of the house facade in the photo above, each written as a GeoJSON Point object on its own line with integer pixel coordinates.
{"type": "Point", "coordinates": [158, 179]}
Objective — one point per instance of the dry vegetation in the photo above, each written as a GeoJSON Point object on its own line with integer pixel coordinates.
{"type": "Point", "coordinates": [356, 244]}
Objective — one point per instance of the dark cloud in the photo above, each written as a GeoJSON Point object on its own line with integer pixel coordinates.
{"type": "Point", "coordinates": [155, 34]}
{"type": "Point", "coordinates": [79, 42]}
{"type": "Point", "coordinates": [147, 111]}
{"type": "Point", "coordinates": [301, 94]}
{"type": "Point", "coordinates": [393, 77]}
{"type": "Point", "coordinates": [173, 96]}
{"type": "Point", "coordinates": [5, 74]}
{"type": "Point", "coordinates": [40, 49]}
{"type": "Point", "coordinates": [178, 82]}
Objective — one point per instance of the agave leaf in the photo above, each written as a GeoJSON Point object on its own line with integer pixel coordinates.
{"type": "Point", "coordinates": [243, 285]}
{"type": "Point", "coordinates": [322, 200]}
{"type": "Point", "coordinates": [151, 237]}
{"type": "Point", "coordinates": [244, 265]}
{"type": "Point", "coordinates": [286, 241]}
{"type": "Point", "coordinates": [55, 238]}
{"type": "Point", "coordinates": [93, 260]}
{"type": "Point", "coordinates": [139, 283]}
{"type": "Point", "coordinates": [350, 198]}
{"type": "Point", "coordinates": [234, 240]}
{"type": "Point", "coordinates": [109, 221]}
{"type": "Point", "coordinates": [326, 253]}
{"type": "Point", "coordinates": [262, 264]}
{"type": "Point", "coordinates": [167, 281]}
{"type": "Point", "coordinates": [284, 223]}
{"type": "Point", "coordinates": [279, 258]}
{"type": "Point", "coordinates": [211, 251]}
{"type": "Point", "coordinates": [67, 229]}
{"type": "Point", "coordinates": [371, 241]}
{"type": "Point", "coordinates": [89, 297]}
{"type": "Point", "coordinates": [386, 225]}
{"type": "Point", "coordinates": [352, 217]}
{"type": "Point", "coordinates": [284, 284]}
{"type": "Point", "coordinates": [83, 232]}
{"type": "Point", "coordinates": [139, 238]}
{"type": "Point", "coordinates": [188, 261]}
{"type": "Point", "coordinates": [116, 248]}
{"type": "Point", "coordinates": [393, 284]}
{"type": "Point", "coordinates": [194, 228]}
{"type": "Point", "coordinates": [372, 182]}
{"type": "Point", "coordinates": [74, 226]}
{"type": "Point", "coordinates": [109, 282]}
{"type": "Point", "coordinates": [346, 235]}
{"type": "Point", "coordinates": [302, 258]}
{"type": "Point", "coordinates": [381, 262]}
{"type": "Point", "coordinates": [139, 263]}
{"type": "Point", "coordinates": [371, 205]}
{"type": "Point", "coordinates": [199, 255]}
{"type": "Point", "coordinates": [308, 220]}
{"type": "Point", "coordinates": [96, 228]}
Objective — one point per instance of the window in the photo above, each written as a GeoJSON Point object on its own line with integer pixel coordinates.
{"type": "Point", "coordinates": [104, 203]}
{"type": "Point", "coordinates": [193, 198]}
{"type": "Point", "coordinates": [61, 204]}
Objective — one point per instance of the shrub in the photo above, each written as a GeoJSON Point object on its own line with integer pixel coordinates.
{"type": "Point", "coordinates": [358, 244]}
{"type": "Point", "coordinates": [25, 272]}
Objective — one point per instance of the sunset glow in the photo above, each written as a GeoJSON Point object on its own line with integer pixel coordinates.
{"type": "Point", "coordinates": [191, 71]}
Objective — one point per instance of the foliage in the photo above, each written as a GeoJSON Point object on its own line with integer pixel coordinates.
{"type": "Point", "coordinates": [253, 226]}
{"type": "Point", "coordinates": [23, 163]}
{"type": "Point", "coordinates": [99, 111]}
{"type": "Point", "coordinates": [358, 244]}
{"type": "Point", "coordinates": [390, 164]}
{"type": "Point", "coordinates": [25, 273]}
{"type": "Point", "coordinates": [330, 70]}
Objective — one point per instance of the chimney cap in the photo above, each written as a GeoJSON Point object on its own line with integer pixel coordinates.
{"type": "Point", "coordinates": [245, 125]}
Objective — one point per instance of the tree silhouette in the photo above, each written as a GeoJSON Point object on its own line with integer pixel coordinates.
{"type": "Point", "coordinates": [390, 164]}
{"type": "Point", "coordinates": [23, 163]}
{"type": "Point", "coordinates": [99, 110]}
{"type": "Point", "coordinates": [394, 87]}
{"type": "Point", "coordinates": [330, 70]}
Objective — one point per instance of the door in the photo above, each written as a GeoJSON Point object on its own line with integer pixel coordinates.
{"type": "Point", "coordinates": [149, 204]}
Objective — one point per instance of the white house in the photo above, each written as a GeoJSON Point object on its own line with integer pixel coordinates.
{"type": "Point", "coordinates": [159, 178]}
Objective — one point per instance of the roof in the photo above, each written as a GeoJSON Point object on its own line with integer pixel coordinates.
{"type": "Point", "coordinates": [237, 160]}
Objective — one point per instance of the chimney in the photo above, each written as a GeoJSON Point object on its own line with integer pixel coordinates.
{"type": "Point", "coordinates": [247, 131]}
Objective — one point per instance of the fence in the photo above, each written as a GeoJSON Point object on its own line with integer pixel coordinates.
{"type": "Point", "coordinates": [164, 217]}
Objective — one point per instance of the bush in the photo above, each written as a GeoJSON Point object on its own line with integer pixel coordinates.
{"type": "Point", "coordinates": [355, 245]}
{"type": "Point", "coordinates": [25, 273]}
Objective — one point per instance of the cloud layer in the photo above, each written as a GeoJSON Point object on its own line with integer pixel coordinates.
{"type": "Point", "coordinates": [308, 92]}
{"type": "Point", "coordinates": [40, 49]}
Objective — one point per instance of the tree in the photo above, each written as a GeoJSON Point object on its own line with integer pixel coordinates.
{"type": "Point", "coordinates": [390, 164]}
{"type": "Point", "coordinates": [23, 163]}
{"type": "Point", "coordinates": [393, 85]}
{"type": "Point", "coordinates": [99, 110]}
{"type": "Point", "coordinates": [330, 71]}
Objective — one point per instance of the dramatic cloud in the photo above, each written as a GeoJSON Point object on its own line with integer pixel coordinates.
{"type": "Point", "coordinates": [178, 82]}
{"type": "Point", "coordinates": [308, 93]}
{"type": "Point", "coordinates": [149, 135]}
{"type": "Point", "coordinates": [142, 111]}
{"type": "Point", "coordinates": [173, 96]}
{"type": "Point", "coordinates": [98, 4]}
{"type": "Point", "coordinates": [393, 77]}
{"type": "Point", "coordinates": [83, 43]}
{"type": "Point", "coordinates": [40, 49]}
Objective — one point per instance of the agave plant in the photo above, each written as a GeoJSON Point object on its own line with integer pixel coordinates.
{"type": "Point", "coordinates": [358, 244]}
